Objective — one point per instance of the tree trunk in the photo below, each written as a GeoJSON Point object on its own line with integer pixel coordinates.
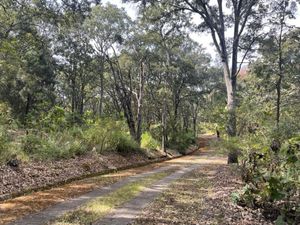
{"type": "Point", "coordinates": [278, 100]}
{"type": "Point", "coordinates": [101, 94]}
{"type": "Point", "coordinates": [195, 115]}
{"type": "Point", "coordinates": [163, 121]}
{"type": "Point", "coordinates": [195, 126]}
{"type": "Point", "coordinates": [140, 104]}
{"type": "Point", "coordinates": [28, 104]}
{"type": "Point", "coordinates": [125, 99]}
{"type": "Point", "coordinates": [231, 100]}
{"type": "Point", "coordinates": [176, 107]}
{"type": "Point", "coordinates": [230, 81]}
{"type": "Point", "coordinates": [280, 74]}
{"type": "Point", "coordinates": [81, 106]}
{"type": "Point", "coordinates": [126, 105]}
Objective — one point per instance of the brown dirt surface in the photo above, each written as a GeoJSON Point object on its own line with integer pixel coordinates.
{"type": "Point", "coordinates": [39, 174]}
{"type": "Point", "coordinates": [13, 209]}
{"type": "Point", "coordinates": [16, 208]}
{"type": "Point", "coordinates": [202, 197]}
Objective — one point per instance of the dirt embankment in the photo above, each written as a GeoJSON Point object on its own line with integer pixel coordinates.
{"type": "Point", "coordinates": [34, 175]}
{"type": "Point", "coordinates": [40, 175]}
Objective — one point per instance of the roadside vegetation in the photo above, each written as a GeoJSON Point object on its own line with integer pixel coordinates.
{"type": "Point", "coordinates": [80, 77]}
{"type": "Point", "coordinates": [268, 151]}
{"type": "Point", "coordinates": [54, 138]}
{"type": "Point", "coordinates": [62, 96]}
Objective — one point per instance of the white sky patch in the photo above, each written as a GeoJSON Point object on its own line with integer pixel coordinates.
{"type": "Point", "coordinates": [130, 8]}
{"type": "Point", "coordinates": [202, 38]}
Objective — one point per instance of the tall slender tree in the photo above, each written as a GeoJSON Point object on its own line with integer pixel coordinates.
{"type": "Point", "coordinates": [243, 17]}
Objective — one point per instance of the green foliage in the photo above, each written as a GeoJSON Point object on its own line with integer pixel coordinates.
{"type": "Point", "coordinates": [272, 177]}
{"type": "Point", "coordinates": [54, 119]}
{"type": "Point", "coordinates": [5, 114]}
{"type": "Point", "coordinates": [182, 140]}
{"type": "Point", "coordinates": [107, 134]}
{"type": "Point", "coordinates": [54, 141]}
{"type": "Point", "coordinates": [148, 141]}
{"type": "Point", "coordinates": [101, 136]}
{"type": "Point", "coordinates": [4, 145]}
{"type": "Point", "coordinates": [125, 143]}
{"type": "Point", "coordinates": [155, 131]}
{"type": "Point", "coordinates": [31, 144]}
{"type": "Point", "coordinates": [227, 145]}
{"type": "Point", "coordinates": [55, 145]}
{"type": "Point", "coordinates": [8, 149]}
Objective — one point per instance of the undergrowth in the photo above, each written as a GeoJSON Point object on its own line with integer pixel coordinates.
{"type": "Point", "coordinates": [54, 135]}
{"type": "Point", "coordinates": [270, 165]}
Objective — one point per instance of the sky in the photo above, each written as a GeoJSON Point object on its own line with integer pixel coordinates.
{"type": "Point", "coordinates": [202, 38]}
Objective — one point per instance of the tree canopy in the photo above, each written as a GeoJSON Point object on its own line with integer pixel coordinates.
{"type": "Point", "coordinates": [79, 76]}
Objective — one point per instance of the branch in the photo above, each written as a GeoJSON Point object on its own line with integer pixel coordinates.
{"type": "Point", "coordinates": [247, 14]}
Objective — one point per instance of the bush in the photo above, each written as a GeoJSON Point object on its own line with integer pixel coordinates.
{"type": "Point", "coordinates": [272, 179]}
{"type": "Point", "coordinates": [4, 145]}
{"type": "Point", "coordinates": [5, 115]}
{"type": "Point", "coordinates": [155, 131]}
{"type": "Point", "coordinates": [31, 144]}
{"type": "Point", "coordinates": [148, 141]}
{"type": "Point", "coordinates": [101, 136]}
{"type": "Point", "coordinates": [54, 120]}
{"type": "Point", "coordinates": [125, 143]}
{"type": "Point", "coordinates": [107, 135]}
{"type": "Point", "coordinates": [182, 140]}
{"type": "Point", "coordinates": [54, 145]}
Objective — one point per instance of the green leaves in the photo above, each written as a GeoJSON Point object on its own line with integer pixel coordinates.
{"type": "Point", "coordinates": [271, 179]}
{"type": "Point", "coordinates": [107, 25]}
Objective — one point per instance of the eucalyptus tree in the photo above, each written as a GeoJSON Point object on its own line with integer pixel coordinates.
{"type": "Point", "coordinates": [276, 73]}
{"type": "Point", "coordinates": [243, 17]}
{"type": "Point", "coordinates": [106, 29]}
{"type": "Point", "coordinates": [73, 53]}
{"type": "Point", "coordinates": [8, 13]}
{"type": "Point", "coordinates": [176, 68]}
{"type": "Point", "coordinates": [110, 29]}
{"type": "Point", "coordinates": [282, 10]}
{"type": "Point", "coordinates": [27, 66]}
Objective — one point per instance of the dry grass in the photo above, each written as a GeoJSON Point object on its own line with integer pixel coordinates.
{"type": "Point", "coordinates": [13, 209]}
{"type": "Point", "coordinates": [201, 197]}
{"type": "Point", "coordinates": [99, 207]}
{"type": "Point", "coordinates": [16, 208]}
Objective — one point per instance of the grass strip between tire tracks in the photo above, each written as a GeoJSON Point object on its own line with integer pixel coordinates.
{"type": "Point", "coordinates": [99, 207]}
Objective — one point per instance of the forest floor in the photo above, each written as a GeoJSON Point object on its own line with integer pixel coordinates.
{"type": "Point", "coordinates": [40, 174]}
{"type": "Point", "coordinates": [194, 189]}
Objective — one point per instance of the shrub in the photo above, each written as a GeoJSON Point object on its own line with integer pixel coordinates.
{"type": "Point", "coordinates": [272, 179]}
{"type": "Point", "coordinates": [107, 135]}
{"type": "Point", "coordinates": [31, 144]}
{"type": "Point", "coordinates": [54, 145]}
{"type": "Point", "coordinates": [9, 148]}
{"type": "Point", "coordinates": [103, 135]}
{"type": "Point", "coordinates": [182, 140]}
{"type": "Point", "coordinates": [5, 114]}
{"type": "Point", "coordinates": [156, 131]}
{"type": "Point", "coordinates": [4, 145]}
{"type": "Point", "coordinates": [100, 136]}
{"type": "Point", "coordinates": [54, 120]}
{"type": "Point", "coordinates": [70, 142]}
{"type": "Point", "coordinates": [125, 143]}
{"type": "Point", "coordinates": [148, 141]}
{"type": "Point", "coordinates": [39, 147]}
